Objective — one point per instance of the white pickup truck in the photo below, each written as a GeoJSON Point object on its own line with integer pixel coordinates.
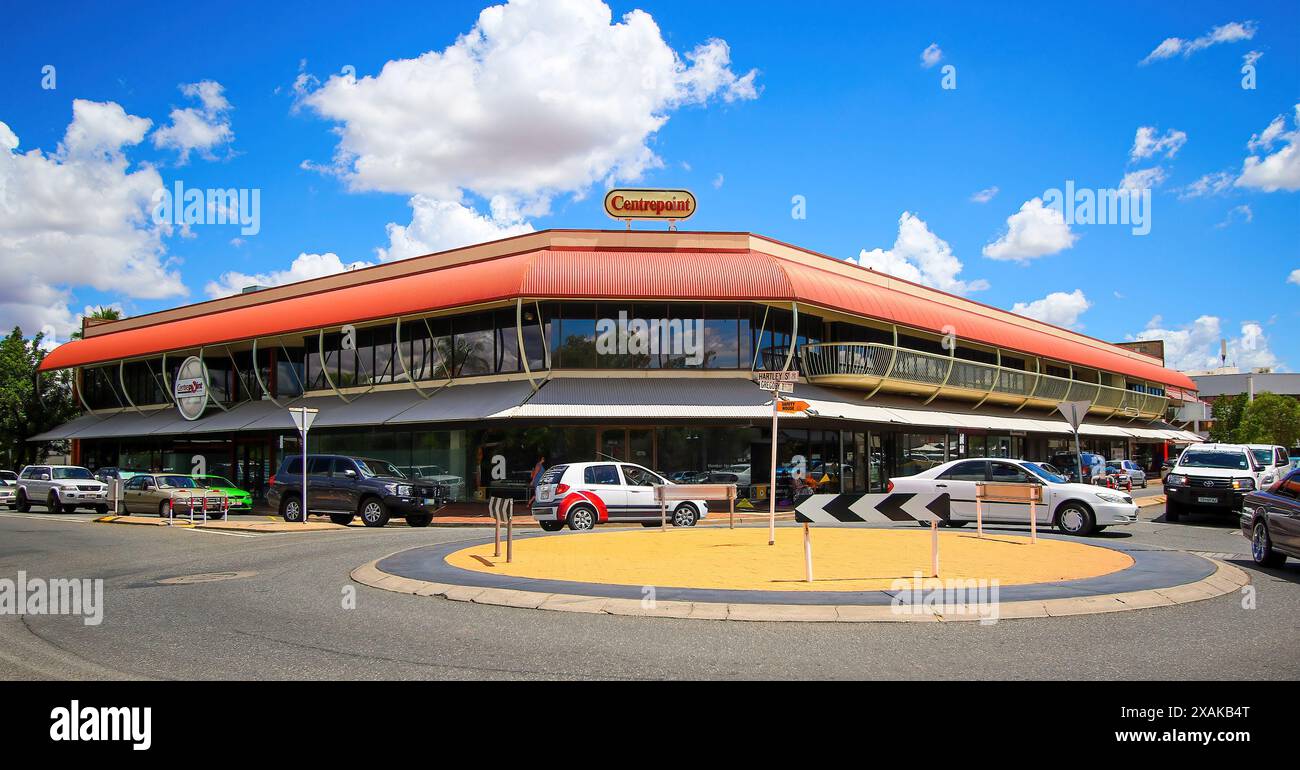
{"type": "Point", "coordinates": [61, 489]}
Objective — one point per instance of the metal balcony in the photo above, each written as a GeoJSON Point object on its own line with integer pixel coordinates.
{"type": "Point", "coordinates": [879, 367]}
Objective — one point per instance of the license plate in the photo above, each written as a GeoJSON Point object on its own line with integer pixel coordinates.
{"type": "Point", "coordinates": [430, 501]}
{"type": "Point", "coordinates": [1207, 499]}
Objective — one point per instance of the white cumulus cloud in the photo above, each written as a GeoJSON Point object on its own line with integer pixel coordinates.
{"type": "Point", "coordinates": [1196, 345]}
{"type": "Point", "coordinates": [440, 225]}
{"type": "Point", "coordinates": [931, 55]}
{"type": "Point", "coordinates": [304, 267]}
{"type": "Point", "coordinates": [1232, 32]}
{"type": "Point", "coordinates": [1281, 169]}
{"type": "Point", "coordinates": [1034, 231]}
{"type": "Point", "coordinates": [79, 217]}
{"type": "Point", "coordinates": [920, 256]}
{"type": "Point", "coordinates": [198, 129]}
{"type": "Point", "coordinates": [1143, 179]}
{"type": "Point", "coordinates": [1058, 308]}
{"type": "Point", "coordinates": [1149, 142]}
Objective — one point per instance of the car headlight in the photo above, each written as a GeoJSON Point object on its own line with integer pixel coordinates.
{"type": "Point", "coordinates": [1176, 480]}
{"type": "Point", "coordinates": [1110, 498]}
{"type": "Point", "coordinates": [1243, 484]}
{"type": "Point", "coordinates": [401, 490]}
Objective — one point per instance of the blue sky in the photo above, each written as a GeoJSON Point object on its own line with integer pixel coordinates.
{"type": "Point", "coordinates": [828, 101]}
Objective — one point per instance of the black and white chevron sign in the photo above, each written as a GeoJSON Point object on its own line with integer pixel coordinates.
{"type": "Point", "coordinates": [501, 508]}
{"type": "Point", "coordinates": [872, 508]}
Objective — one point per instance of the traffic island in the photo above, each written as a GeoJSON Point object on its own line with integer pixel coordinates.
{"type": "Point", "coordinates": [861, 575]}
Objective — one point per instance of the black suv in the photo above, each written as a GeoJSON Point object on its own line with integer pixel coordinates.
{"type": "Point", "coordinates": [342, 487]}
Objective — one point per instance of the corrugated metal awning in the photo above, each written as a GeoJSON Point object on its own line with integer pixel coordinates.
{"type": "Point", "coordinates": [463, 403]}
{"type": "Point", "coordinates": [648, 397]}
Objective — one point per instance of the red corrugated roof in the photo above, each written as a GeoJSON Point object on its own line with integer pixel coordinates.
{"type": "Point", "coordinates": [704, 274]}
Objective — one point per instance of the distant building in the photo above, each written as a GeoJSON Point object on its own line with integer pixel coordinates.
{"type": "Point", "coordinates": [1230, 382]}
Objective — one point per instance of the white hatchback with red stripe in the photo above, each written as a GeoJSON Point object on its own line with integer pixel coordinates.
{"type": "Point", "coordinates": [583, 495]}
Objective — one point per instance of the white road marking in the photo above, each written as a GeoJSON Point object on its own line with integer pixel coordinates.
{"type": "Point", "coordinates": [218, 532]}
{"type": "Point", "coordinates": [44, 518]}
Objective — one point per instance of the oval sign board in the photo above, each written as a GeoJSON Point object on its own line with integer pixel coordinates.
{"type": "Point", "coordinates": [191, 389]}
{"type": "Point", "coordinates": [650, 204]}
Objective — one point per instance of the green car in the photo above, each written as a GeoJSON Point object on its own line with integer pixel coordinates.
{"type": "Point", "coordinates": [240, 501]}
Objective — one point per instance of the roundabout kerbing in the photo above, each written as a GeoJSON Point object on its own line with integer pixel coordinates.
{"type": "Point", "coordinates": [862, 575]}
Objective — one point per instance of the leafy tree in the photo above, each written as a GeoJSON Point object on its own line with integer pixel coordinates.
{"type": "Point", "coordinates": [101, 313]}
{"type": "Point", "coordinates": [24, 410]}
{"type": "Point", "coordinates": [1270, 419]}
{"type": "Point", "coordinates": [1227, 414]}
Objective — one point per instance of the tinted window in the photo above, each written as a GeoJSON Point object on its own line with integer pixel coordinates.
{"type": "Point", "coordinates": [1215, 459]}
{"type": "Point", "coordinates": [1282, 457]}
{"type": "Point", "coordinates": [1002, 472]}
{"type": "Point", "coordinates": [380, 468]}
{"type": "Point", "coordinates": [293, 467]}
{"type": "Point", "coordinates": [72, 473]}
{"type": "Point", "coordinates": [553, 475]}
{"type": "Point", "coordinates": [971, 470]}
{"type": "Point", "coordinates": [1263, 456]}
{"type": "Point", "coordinates": [601, 474]}
{"type": "Point", "coordinates": [342, 465]}
{"type": "Point", "coordinates": [180, 482]}
{"type": "Point", "coordinates": [136, 482]}
{"type": "Point", "coordinates": [637, 476]}
{"type": "Point", "coordinates": [318, 466]}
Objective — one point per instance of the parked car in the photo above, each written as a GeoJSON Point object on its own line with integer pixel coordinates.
{"type": "Point", "coordinates": [1093, 465]}
{"type": "Point", "coordinates": [1274, 461]}
{"type": "Point", "coordinates": [1270, 518]}
{"type": "Point", "coordinates": [108, 474]}
{"type": "Point", "coordinates": [1131, 467]}
{"type": "Point", "coordinates": [168, 494]}
{"type": "Point", "coordinates": [9, 496]}
{"type": "Point", "coordinates": [583, 495]}
{"type": "Point", "coordinates": [343, 486]}
{"type": "Point", "coordinates": [1075, 509]}
{"type": "Point", "coordinates": [8, 479]}
{"type": "Point", "coordinates": [241, 500]}
{"type": "Point", "coordinates": [62, 488]}
{"type": "Point", "coordinates": [1211, 477]}
{"type": "Point", "coordinates": [435, 474]}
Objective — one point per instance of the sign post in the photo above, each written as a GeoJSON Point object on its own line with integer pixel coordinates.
{"type": "Point", "coordinates": [889, 508]}
{"type": "Point", "coordinates": [1013, 492]}
{"type": "Point", "coordinates": [303, 417]}
{"type": "Point", "coordinates": [503, 512]}
{"type": "Point", "coordinates": [1074, 412]}
{"type": "Point", "coordinates": [776, 383]}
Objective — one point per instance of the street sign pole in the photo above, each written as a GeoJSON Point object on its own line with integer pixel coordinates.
{"type": "Point", "coordinates": [771, 490]}
{"type": "Point", "coordinates": [1074, 412]}
{"type": "Point", "coordinates": [303, 417]}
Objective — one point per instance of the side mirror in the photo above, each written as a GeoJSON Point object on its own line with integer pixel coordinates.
{"type": "Point", "coordinates": [350, 473]}
{"type": "Point", "coordinates": [45, 477]}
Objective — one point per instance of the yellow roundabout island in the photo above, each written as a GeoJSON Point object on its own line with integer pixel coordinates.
{"type": "Point", "coordinates": [740, 559]}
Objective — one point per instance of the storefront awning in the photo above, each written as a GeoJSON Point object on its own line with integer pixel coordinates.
{"type": "Point", "coordinates": [69, 429]}
{"type": "Point", "coordinates": [647, 397]}
{"type": "Point", "coordinates": [465, 403]}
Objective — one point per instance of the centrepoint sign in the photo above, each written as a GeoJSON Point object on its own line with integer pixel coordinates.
{"type": "Point", "coordinates": [191, 388]}
{"type": "Point", "coordinates": [650, 204]}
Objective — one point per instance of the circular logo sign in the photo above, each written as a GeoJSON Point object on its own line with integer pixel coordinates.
{"type": "Point", "coordinates": [191, 389]}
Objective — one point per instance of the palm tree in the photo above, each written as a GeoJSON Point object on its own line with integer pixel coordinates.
{"type": "Point", "coordinates": [101, 313]}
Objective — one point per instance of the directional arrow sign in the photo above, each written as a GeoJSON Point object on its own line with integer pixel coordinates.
{"type": "Point", "coordinates": [873, 508]}
{"type": "Point", "coordinates": [791, 406]}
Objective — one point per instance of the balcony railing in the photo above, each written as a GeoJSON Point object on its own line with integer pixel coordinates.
{"type": "Point", "coordinates": [876, 363]}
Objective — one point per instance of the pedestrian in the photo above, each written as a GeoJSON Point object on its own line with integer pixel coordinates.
{"type": "Point", "coordinates": [538, 471]}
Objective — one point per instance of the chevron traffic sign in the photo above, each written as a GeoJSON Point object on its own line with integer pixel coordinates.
{"type": "Point", "coordinates": [502, 510]}
{"type": "Point", "coordinates": [872, 508]}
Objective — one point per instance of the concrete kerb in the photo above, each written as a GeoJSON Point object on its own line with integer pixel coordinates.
{"type": "Point", "coordinates": [1224, 580]}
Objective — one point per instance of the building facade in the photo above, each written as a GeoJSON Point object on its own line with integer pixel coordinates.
{"type": "Point", "coordinates": [563, 345]}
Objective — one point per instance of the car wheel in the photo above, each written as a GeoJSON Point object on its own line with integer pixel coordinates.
{"type": "Point", "coordinates": [373, 512]}
{"type": "Point", "coordinates": [162, 509]}
{"type": "Point", "coordinates": [102, 510]}
{"type": "Point", "coordinates": [685, 515]}
{"type": "Point", "coordinates": [419, 519]}
{"type": "Point", "coordinates": [581, 518]}
{"type": "Point", "coordinates": [954, 523]}
{"type": "Point", "coordinates": [1075, 519]}
{"type": "Point", "coordinates": [551, 526]}
{"type": "Point", "coordinates": [24, 504]}
{"type": "Point", "coordinates": [1173, 510]}
{"type": "Point", "coordinates": [291, 509]}
{"type": "Point", "coordinates": [341, 518]}
{"type": "Point", "coordinates": [1261, 547]}
{"type": "Point", "coordinates": [52, 502]}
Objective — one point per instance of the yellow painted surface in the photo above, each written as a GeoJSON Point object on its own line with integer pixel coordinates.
{"type": "Point", "coordinates": [843, 559]}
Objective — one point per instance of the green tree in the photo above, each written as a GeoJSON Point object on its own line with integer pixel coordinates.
{"type": "Point", "coordinates": [1270, 419]}
{"type": "Point", "coordinates": [26, 410]}
{"type": "Point", "coordinates": [101, 313]}
{"type": "Point", "coordinates": [1227, 414]}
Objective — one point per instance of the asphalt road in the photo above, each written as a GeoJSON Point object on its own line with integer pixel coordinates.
{"type": "Point", "coordinates": [286, 620]}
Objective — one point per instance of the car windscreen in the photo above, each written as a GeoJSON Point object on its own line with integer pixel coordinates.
{"type": "Point", "coordinates": [380, 468]}
{"type": "Point", "coordinates": [1043, 473]}
{"type": "Point", "coordinates": [1233, 461]}
{"type": "Point", "coordinates": [1263, 456]}
{"type": "Point", "coordinates": [553, 474]}
{"type": "Point", "coordinates": [72, 473]}
{"type": "Point", "coordinates": [179, 482]}
{"type": "Point", "coordinates": [216, 481]}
